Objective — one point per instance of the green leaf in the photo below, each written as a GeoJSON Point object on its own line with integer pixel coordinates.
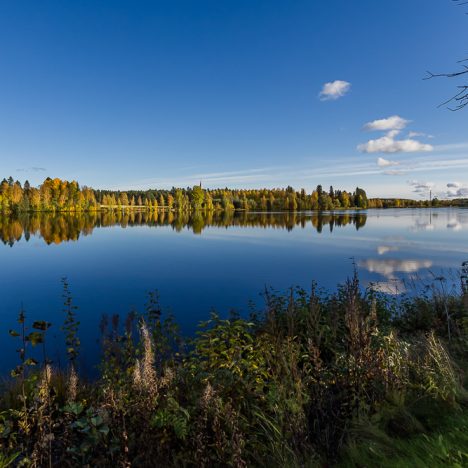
{"type": "Point", "coordinates": [75, 408]}
{"type": "Point", "coordinates": [96, 421]}
{"type": "Point", "coordinates": [13, 333]}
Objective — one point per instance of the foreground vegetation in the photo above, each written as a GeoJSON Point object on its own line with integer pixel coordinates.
{"type": "Point", "coordinates": [349, 378]}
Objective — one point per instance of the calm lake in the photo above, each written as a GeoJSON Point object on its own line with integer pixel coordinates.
{"type": "Point", "coordinates": [204, 263]}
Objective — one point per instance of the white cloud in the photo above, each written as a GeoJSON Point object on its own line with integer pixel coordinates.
{"type": "Point", "coordinates": [334, 90]}
{"type": "Point", "coordinates": [395, 122]}
{"type": "Point", "coordinates": [421, 185]}
{"type": "Point", "coordinates": [456, 190]}
{"type": "Point", "coordinates": [462, 192]}
{"type": "Point", "coordinates": [387, 144]}
{"type": "Point", "coordinates": [381, 162]}
{"type": "Point", "coordinates": [393, 133]}
{"type": "Point", "coordinates": [421, 188]}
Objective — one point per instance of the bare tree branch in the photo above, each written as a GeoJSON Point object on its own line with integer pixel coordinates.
{"type": "Point", "coordinates": [460, 99]}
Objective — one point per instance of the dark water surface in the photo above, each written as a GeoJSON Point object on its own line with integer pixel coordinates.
{"type": "Point", "coordinates": [203, 263]}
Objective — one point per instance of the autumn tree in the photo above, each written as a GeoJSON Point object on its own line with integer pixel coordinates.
{"type": "Point", "coordinates": [123, 199]}
{"type": "Point", "coordinates": [198, 197]}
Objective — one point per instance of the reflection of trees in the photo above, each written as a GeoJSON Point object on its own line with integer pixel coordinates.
{"type": "Point", "coordinates": [53, 228]}
{"type": "Point", "coordinates": [60, 227]}
{"type": "Point", "coordinates": [320, 220]}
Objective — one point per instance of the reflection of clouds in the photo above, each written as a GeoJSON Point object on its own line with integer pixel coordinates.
{"type": "Point", "coordinates": [448, 219]}
{"type": "Point", "coordinates": [423, 226]}
{"type": "Point", "coordinates": [454, 225]}
{"type": "Point", "coordinates": [388, 267]}
{"type": "Point", "coordinates": [393, 286]}
{"type": "Point", "coordinates": [383, 249]}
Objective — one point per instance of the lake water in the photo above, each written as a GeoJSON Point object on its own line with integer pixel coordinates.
{"type": "Point", "coordinates": [204, 263]}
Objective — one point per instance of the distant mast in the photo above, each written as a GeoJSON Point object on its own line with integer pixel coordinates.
{"type": "Point", "coordinates": [430, 197]}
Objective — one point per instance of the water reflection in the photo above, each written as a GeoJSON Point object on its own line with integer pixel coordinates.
{"type": "Point", "coordinates": [455, 225]}
{"type": "Point", "coordinates": [391, 270]}
{"type": "Point", "coordinates": [431, 220]}
{"type": "Point", "coordinates": [384, 249]}
{"type": "Point", "coordinates": [229, 261]}
{"type": "Point", "coordinates": [389, 267]}
{"type": "Point", "coordinates": [59, 227]}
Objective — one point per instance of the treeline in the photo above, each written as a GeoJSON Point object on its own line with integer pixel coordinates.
{"type": "Point", "coordinates": [408, 203]}
{"type": "Point", "coordinates": [197, 198]}
{"type": "Point", "coordinates": [56, 195]}
{"type": "Point", "coordinates": [60, 195]}
{"type": "Point", "coordinates": [55, 228]}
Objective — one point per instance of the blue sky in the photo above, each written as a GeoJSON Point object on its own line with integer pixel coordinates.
{"type": "Point", "coordinates": [136, 94]}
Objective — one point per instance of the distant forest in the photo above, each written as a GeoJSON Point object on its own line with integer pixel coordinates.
{"type": "Point", "coordinates": [56, 195]}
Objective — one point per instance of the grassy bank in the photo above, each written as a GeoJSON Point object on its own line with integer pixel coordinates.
{"type": "Point", "coordinates": [345, 378]}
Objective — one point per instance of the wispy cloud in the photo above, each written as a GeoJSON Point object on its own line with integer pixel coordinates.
{"type": "Point", "coordinates": [334, 90]}
{"type": "Point", "coordinates": [313, 171]}
{"type": "Point", "coordinates": [421, 188]}
{"type": "Point", "coordinates": [31, 169]}
{"type": "Point", "coordinates": [394, 172]}
{"type": "Point", "coordinates": [419, 134]}
{"type": "Point", "coordinates": [282, 175]}
{"type": "Point", "coordinates": [452, 147]}
{"type": "Point", "coordinates": [415, 165]}
{"type": "Point", "coordinates": [209, 179]}
{"type": "Point", "coordinates": [436, 164]}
